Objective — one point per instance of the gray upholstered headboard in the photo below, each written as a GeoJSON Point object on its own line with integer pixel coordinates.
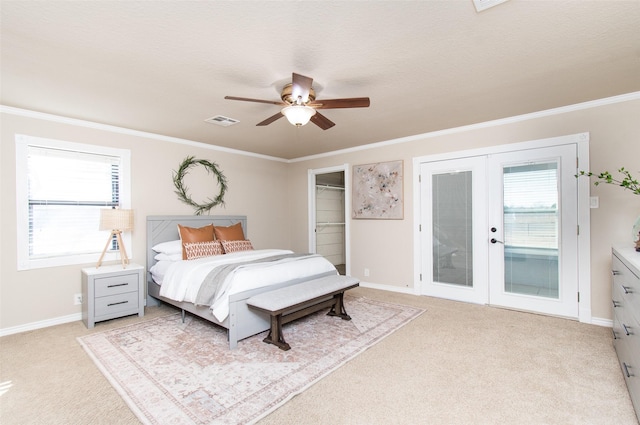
{"type": "Point", "coordinates": [163, 228]}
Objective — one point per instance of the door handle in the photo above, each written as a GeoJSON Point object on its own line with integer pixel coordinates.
{"type": "Point", "coordinates": [494, 240]}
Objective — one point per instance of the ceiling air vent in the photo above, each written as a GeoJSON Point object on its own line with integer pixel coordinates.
{"type": "Point", "coordinates": [222, 120]}
{"type": "Point", "coordinates": [486, 4]}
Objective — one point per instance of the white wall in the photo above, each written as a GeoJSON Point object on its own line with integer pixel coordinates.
{"type": "Point", "coordinates": [256, 189]}
{"type": "Point", "coordinates": [274, 196]}
{"type": "Point", "coordinates": [385, 247]}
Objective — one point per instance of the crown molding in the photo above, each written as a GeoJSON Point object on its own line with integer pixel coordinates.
{"type": "Point", "coordinates": [494, 123]}
{"type": "Point", "coordinates": [121, 130]}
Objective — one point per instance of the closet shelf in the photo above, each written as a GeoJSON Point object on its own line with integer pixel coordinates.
{"type": "Point", "coordinates": [321, 226]}
{"type": "Point", "coordinates": [323, 187]}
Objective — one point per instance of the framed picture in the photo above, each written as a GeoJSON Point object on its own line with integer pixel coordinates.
{"type": "Point", "coordinates": [378, 191]}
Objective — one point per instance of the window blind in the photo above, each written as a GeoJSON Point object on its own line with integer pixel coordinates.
{"type": "Point", "coordinates": [531, 205]}
{"type": "Point", "coordinates": [66, 190]}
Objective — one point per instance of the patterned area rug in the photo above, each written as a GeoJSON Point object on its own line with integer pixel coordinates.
{"type": "Point", "coordinates": [171, 372]}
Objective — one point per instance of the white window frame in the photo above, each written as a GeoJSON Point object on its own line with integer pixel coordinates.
{"type": "Point", "coordinates": [22, 200]}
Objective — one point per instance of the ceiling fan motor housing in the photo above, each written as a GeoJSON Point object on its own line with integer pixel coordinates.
{"type": "Point", "coordinates": [287, 96]}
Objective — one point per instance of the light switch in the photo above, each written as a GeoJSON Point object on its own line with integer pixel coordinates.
{"type": "Point", "coordinates": [594, 202]}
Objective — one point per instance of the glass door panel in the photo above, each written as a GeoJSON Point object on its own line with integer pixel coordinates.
{"type": "Point", "coordinates": [453, 229]}
{"type": "Point", "coordinates": [533, 230]}
{"type": "Point", "coordinates": [531, 237]}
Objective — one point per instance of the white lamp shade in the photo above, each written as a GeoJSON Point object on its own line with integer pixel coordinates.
{"type": "Point", "coordinates": [111, 219]}
{"type": "Point", "coordinates": [298, 115]}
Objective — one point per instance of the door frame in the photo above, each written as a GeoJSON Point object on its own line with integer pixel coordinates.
{"type": "Point", "coordinates": [581, 140]}
{"type": "Point", "coordinates": [311, 202]}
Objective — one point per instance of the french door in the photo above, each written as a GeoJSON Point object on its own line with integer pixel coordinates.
{"type": "Point", "coordinates": [454, 211]}
{"type": "Point", "coordinates": [501, 229]}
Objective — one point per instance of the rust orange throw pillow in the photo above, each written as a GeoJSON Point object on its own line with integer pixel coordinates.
{"type": "Point", "coordinates": [192, 234]}
{"type": "Point", "coordinates": [231, 233]}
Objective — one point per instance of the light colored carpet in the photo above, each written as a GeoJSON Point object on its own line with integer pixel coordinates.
{"type": "Point", "coordinates": [171, 372]}
{"type": "Point", "coordinates": [456, 364]}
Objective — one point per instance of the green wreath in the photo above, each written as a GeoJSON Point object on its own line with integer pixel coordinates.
{"type": "Point", "coordinates": [182, 193]}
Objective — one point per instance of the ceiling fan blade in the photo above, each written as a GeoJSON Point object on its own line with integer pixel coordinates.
{"type": "Point", "coordinates": [300, 87]}
{"type": "Point", "coordinates": [352, 102]}
{"type": "Point", "coordinates": [270, 119]}
{"type": "Point", "coordinates": [322, 121]}
{"type": "Point", "coordinates": [246, 99]}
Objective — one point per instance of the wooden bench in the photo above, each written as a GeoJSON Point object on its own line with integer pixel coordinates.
{"type": "Point", "coordinates": [296, 301]}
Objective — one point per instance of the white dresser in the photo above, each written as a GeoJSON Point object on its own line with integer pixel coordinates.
{"type": "Point", "coordinates": [625, 267]}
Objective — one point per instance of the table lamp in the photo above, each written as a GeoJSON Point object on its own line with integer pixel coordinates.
{"type": "Point", "coordinates": [117, 221]}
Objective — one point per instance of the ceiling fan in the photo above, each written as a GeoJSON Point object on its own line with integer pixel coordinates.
{"type": "Point", "coordinates": [300, 104]}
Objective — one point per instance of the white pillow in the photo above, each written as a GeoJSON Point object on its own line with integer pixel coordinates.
{"type": "Point", "coordinates": [159, 269]}
{"type": "Point", "coordinates": [170, 247]}
{"type": "Point", "coordinates": [168, 257]}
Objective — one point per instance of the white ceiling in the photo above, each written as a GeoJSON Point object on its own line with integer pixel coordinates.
{"type": "Point", "coordinates": [165, 67]}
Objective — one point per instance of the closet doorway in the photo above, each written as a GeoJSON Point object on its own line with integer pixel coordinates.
{"type": "Point", "coordinates": [328, 227]}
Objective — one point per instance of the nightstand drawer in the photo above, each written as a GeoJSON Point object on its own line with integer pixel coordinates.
{"type": "Point", "coordinates": [116, 305]}
{"type": "Point", "coordinates": [109, 292]}
{"type": "Point", "coordinates": [105, 286]}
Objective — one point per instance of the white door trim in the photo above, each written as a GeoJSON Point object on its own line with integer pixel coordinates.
{"type": "Point", "coordinates": [581, 140]}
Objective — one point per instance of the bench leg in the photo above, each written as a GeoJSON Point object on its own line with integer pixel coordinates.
{"type": "Point", "coordinates": [275, 334]}
{"type": "Point", "coordinates": [338, 307]}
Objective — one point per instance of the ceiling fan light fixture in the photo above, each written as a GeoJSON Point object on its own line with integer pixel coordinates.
{"type": "Point", "coordinates": [298, 115]}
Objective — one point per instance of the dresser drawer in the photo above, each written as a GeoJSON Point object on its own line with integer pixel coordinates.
{"type": "Point", "coordinates": [626, 286]}
{"type": "Point", "coordinates": [112, 285]}
{"type": "Point", "coordinates": [116, 305]}
{"type": "Point", "coordinates": [633, 384]}
{"type": "Point", "coordinates": [627, 345]}
{"type": "Point", "coordinates": [625, 266]}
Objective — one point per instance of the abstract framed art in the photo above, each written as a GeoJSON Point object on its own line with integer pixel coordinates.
{"type": "Point", "coordinates": [378, 191]}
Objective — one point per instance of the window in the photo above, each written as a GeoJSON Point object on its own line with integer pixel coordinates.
{"type": "Point", "coordinates": [531, 206]}
{"type": "Point", "coordinates": [61, 187]}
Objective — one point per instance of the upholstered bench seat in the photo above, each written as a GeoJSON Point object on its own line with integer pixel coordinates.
{"type": "Point", "coordinates": [292, 302]}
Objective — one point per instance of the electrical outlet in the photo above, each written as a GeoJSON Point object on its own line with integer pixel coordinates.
{"type": "Point", "coordinates": [77, 299]}
{"type": "Point", "coordinates": [366, 272]}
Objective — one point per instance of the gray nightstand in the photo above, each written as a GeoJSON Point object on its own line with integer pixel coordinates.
{"type": "Point", "coordinates": [111, 291]}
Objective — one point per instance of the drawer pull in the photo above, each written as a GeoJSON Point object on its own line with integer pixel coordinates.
{"type": "Point", "coordinates": [124, 302]}
{"type": "Point", "coordinates": [615, 272]}
{"type": "Point", "coordinates": [117, 284]}
{"type": "Point", "coordinates": [625, 289]}
{"type": "Point", "coordinates": [615, 304]}
{"type": "Point", "coordinates": [626, 370]}
{"type": "Point", "coordinates": [625, 329]}
{"type": "Point", "coordinates": [613, 331]}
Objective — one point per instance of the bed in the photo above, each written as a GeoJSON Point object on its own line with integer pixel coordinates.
{"type": "Point", "coordinates": [241, 321]}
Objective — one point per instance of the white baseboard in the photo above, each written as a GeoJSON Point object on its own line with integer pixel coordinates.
{"type": "Point", "coordinates": [390, 288]}
{"type": "Point", "coordinates": [41, 324]}
{"type": "Point", "coordinates": [607, 323]}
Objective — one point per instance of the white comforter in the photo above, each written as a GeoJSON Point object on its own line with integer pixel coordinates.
{"type": "Point", "coordinates": [183, 278]}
